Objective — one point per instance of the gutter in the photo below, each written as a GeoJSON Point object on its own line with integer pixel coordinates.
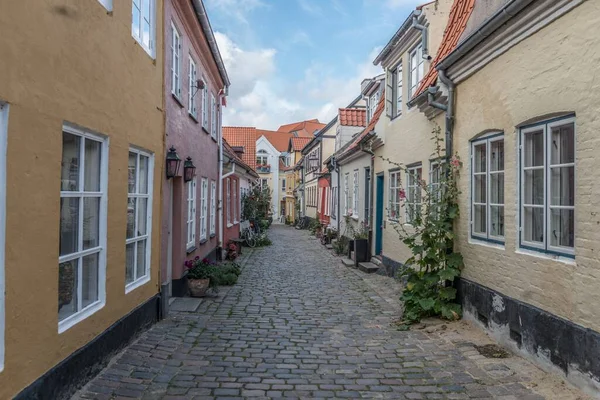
{"type": "Point", "coordinates": [210, 38]}
{"type": "Point", "coordinates": [399, 33]}
{"type": "Point", "coordinates": [490, 25]}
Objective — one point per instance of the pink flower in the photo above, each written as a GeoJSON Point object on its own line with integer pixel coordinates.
{"type": "Point", "coordinates": [455, 162]}
{"type": "Point", "coordinates": [402, 194]}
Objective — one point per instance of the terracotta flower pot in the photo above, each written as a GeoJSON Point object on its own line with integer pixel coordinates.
{"type": "Point", "coordinates": [198, 287]}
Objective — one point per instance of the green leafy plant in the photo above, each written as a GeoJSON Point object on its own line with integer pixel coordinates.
{"type": "Point", "coordinates": [362, 232]}
{"type": "Point", "coordinates": [203, 269]}
{"type": "Point", "coordinates": [340, 246]}
{"type": "Point", "coordinates": [313, 226]}
{"type": "Point", "coordinates": [256, 204]}
{"type": "Point", "coordinates": [433, 265]}
{"type": "Point", "coordinates": [263, 240]}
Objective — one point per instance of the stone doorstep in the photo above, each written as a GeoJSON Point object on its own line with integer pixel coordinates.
{"type": "Point", "coordinates": [185, 304]}
{"type": "Point", "coordinates": [376, 261]}
{"type": "Point", "coordinates": [368, 267]}
{"type": "Point", "coordinates": [329, 246]}
{"type": "Point", "coordinates": [347, 262]}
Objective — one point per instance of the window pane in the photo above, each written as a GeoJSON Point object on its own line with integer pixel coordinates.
{"type": "Point", "coordinates": [533, 224]}
{"type": "Point", "coordinates": [497, 221]}
{"type": "Point", "coordinates": [534, 186]}
{"type": "Point", "coordinates": [131, 208]}
{"type": "Point", "coordinates": [497, 155]}
{"type": "Point", "coordinates": [135, 19]}
{"type": "Point", "coordinates": [89, 286]}
{"type": "Point", "coordinates": [146, 33]}
{"type": "Point", "coordinates": [146, 9]}
{"type": "Point", "coordinates": [70, 163]}
{"type": "Point", "coordinates": [562, 186]}
{"type": "Point", "coordinates": [91, 222]}
{"type": "Point", "coordinates": [497, 188]}
{"type": "Point", "coordinates": [67, 289]}
{"type": "Point", "coordinates": [131, 168]}
{"type": "Point", "coordinates": [479, 219]}
{"type": "Point", "coordinates": [563, 144]}
{"type": "Point", "coordinates": [534, 149]}
{"type": "Point", "coordinates": [479, 189]}
{"type": "Point", "coordinates": [479, 158]}
{"type": "Point", "coordinates": [562, 227]}
{"type": "Point", "coordinates": [129, 261]}
{"type": "Point", "coordinates": [141, 258]}
{"type": "Point", "coordinates": [142, 217]}
{"type": "Point", "coordinates": [93, 154]}
{"type": "Point", "coordinates": [69, 225]}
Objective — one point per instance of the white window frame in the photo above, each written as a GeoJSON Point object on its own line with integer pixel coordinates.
{"type": "Point", "coordinates": [141, 280]}
{"type": "Point", "coordinates": [373, 101]}
{"type": "Point", "coordinates": [213, 116]}
{"type": "Point", "coordinates": [3, 147]}
{"type": "Point", "coordinates": [283, 186]}
{"type": "Point", "coordinates": [192, 76]}
{"type": "Point", "coordinates": [92, 308]}
{"type": "Point", "coordinates": [486, 140]}
{"type": "Point", "coordinates": [346, 193]}
{"type": "Point", "coordinates": [203, 208]}
{"type": "Point", "coordinates": [175, 61]}
{"type": "Point", "coordinates": [546, 127]}
{"type": "Point", "coordinates": [205, 105]}
{"type": "Point", "coordinates": [416, 72]}
{"type": "Point", "coordinates": [108, 4]}
{"type": "Point", "coordinates": [334, 202]}
{"type": "Point", "coordinates": [355, 190]}
{"type": "Point", "coordinates": [150, 47]}
{"type": "Point", "coordinates": [213, 208]}
{"type": "Point", "coordinates": [228, 200]}
{"type": "Point", "coordinates": [235, 201]}
{"type": "Point", "coordinates": [192, 188]}
{"type": "Point", "coordinates": [413, 173]}
{"type": "Point", "coordinates": [394, 196]}
{"type": "Point", "coordinates": [397, 90]}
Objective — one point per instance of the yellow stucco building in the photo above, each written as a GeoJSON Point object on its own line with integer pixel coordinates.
{"type": "Point", "coordinates": [81, 140]}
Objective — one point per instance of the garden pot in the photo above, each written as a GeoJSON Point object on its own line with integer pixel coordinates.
{"type": "Point", "coordinates": [198, 287]}
{"type": "Point", "coordinates": [361, 250]}
{"type": "Point", "coordinates": [350, 248]}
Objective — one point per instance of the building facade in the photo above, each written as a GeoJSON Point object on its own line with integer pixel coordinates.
{"type": "Point", "coordinates": [195, 84]}
{"type": "Point", "coordinates": [81, 168]}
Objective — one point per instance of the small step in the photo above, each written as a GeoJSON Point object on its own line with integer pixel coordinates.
{"type": "Point", "coordinates": [352, 255]}
{"type": "Point", "coordinates": [329, 246]}
{"type": "Point", "coordinates": [368, 267]}
{"type": "Point", "coordinates": [347, 262]}
{"type": "Point", "coordinates": [376, 261]}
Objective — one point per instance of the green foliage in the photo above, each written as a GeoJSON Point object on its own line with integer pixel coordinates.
{"type": "Point", "coordinates": [256, 204]}
{"type": "Point", "coordinates": [362, 232]}
{"type": "Point", "coordinates": [264, 224]}
{"type": "Point", "coordinates": [341, 245]}
{"type": "Point", "coordinates": [314, 226]}
{"type": "Point", "coordinates": [203, 269]}
{"type": "Point", "coordinates": [263, 240]}
{"type": "Point", "coordinates": [433, 265]}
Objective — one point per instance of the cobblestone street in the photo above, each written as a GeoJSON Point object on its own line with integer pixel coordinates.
{"type": "Point", "coordinates": [298, 325]}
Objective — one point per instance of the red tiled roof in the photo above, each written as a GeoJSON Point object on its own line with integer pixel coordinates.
{"type": "Point", "coordinates": [298, 143]}
{"type": "Point", "coordinates": [279, 140]}
{"type": "Point", "coordinates": [457, 22]}
{"type": "Point", "coordinates": [303, 128]}
{"type": "Point", "coordinates": [368, 129]}
{"type": "Point", "coordinates": [232, 154]}
{"type": "Point", "coordinates": [244, 137]}
{"type": "Point", "coordinates": [352, 117]}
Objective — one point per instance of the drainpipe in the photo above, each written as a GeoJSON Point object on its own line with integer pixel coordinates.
{"type": "Point", "coordinates": [449, 111]}
{"type": "Point", "coordinates": [220, 185]}
{"type": "Point", "coordinates": [424, 34]}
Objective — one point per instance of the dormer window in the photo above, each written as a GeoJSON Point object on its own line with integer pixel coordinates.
{"type": "Point", "coordinates": [417, 68]}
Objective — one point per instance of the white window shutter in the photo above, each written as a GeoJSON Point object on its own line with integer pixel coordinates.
{"type": "Point", "coordinates": [389, 93]}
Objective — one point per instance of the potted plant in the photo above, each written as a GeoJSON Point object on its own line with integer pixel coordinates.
{"type": "Point", "coordinates": [201, 275]}
{"type": "Point", "coordinates": [361, 243]}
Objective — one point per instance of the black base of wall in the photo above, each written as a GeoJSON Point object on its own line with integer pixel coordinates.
{"type": "Point", "coordinates": [568, 346]}
{"type": "Point", "coordinates": [391, 267]}
{"type": "Point", "coordinates": [65, 378]}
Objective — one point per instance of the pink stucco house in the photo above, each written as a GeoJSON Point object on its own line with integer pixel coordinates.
{"type": "Point", "coordinates": [196, 84]}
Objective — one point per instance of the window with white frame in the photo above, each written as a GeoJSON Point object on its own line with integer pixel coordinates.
{"type": "Point", "coordinates": [397, 91]}
{"type": "Point", "coordinates": [205, 106]}
{"type": "Point", "coordinates": [235, 202]}
{"type": "Point", "coordinates": [394, 199]}
{"type": "Point", "coordinates": [355, 195]}
{"type": "Point", "coordinates": [143, 23]}
{"type": "Point", "coordinates": [334, 202]}
{"type": "Point", "coordinates": [417, 68]}
{"type": "Point", "coordinates": [283, 188]}
{"type": "Point", "coordinates": [191, 214]}
{"type": "Point", "coordinates": [547, 215]}
{"type": "Point", "coordinates": [487, 187]}
{"type": "Point", "coordinates": [3, 143]}
{"type": "Point", "coordinates": [82, 248]}
{"type": "Point", "coordinates": [203, 207]}
{"type": "Point", "coordinates": [175, 61]}
{"type": "Point", "coordinates": [228, 200]}
{"type": "Point", "coordinates": [262, 157]}
{"type": "Point", "coordinates": [107, 4]}
{"type": "Point", "coordinates": [346, 194]}
{"type": "Point", "coordinates": [413, 193]}
{"type": "Point", "coordinates": [139, 219]}
{"type": "Point", "coordinates": [436, 171]}
{"type": "Point", "coordinates": [213, 207]}
{"type": "Point", "coordinates": [373, 100]}
{"type": "Point", "coordinates": [213, 116]}
{"type": "Point", "coordinates": [192, 89]}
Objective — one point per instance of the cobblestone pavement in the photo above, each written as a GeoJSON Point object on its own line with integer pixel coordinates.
{"type": "Point", "coordinates": [297, 325]}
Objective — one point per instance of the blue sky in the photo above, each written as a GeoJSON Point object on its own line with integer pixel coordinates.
{"type": "Point", "coordinates": [290, 60]}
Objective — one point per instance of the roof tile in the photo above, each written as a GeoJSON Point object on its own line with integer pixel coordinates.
{"type": "Point", "coordinates": [352, 117]}
{"type": "Point", "coordinates": [244, 137]}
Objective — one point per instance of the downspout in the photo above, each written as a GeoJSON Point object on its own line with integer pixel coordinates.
{"type": "Point", "coordinates": [424, 34]}
{"type": "Point", "coordinates": [449, 111]}
{"type": "Point", "coordinates": [220, 186]}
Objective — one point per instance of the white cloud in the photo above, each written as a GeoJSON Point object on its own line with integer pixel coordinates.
{"type": "Point", "coordinates": [237, 9]}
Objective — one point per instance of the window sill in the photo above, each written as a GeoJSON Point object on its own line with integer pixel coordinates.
{"type": "Point", "coordinates": [236, 222]}
{"type": "Point", "coordinates": [136, 284]}
{"type": "Point", "coordinates": [543, 254]}
{"type": "Point", "coordinates": [212, 235]}
{"type": "Point", "coordinates": [67, 323]}
{"type": "Point", "coordinates": [177, 100]}
{"type": "Point", "coordinates": [205, 130]}
{"type": "Point", "coordinates": [354, 217]}
{"type": "Point", "coordinates": [147, 50]}
{"type": "Point", "coordinates": [213, 138]}
{"type": "Point", "coordinates": [190, 249]}
{"type": "Point", "coordinates": [202, 241]}
{"type": "Point", "coordinates": [392, 119]}
{"type": "Point", "coordinates": [494, 244]}
{"type": "Point", "coordinates": [193, 117]}
{"type": "Point", "coordinates": [229, 224]}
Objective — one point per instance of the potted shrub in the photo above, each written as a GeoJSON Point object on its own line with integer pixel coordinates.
{"type": "Point", "coordinates": [201, 275]}
{"type": "Point", "coordinates": [361, 244]}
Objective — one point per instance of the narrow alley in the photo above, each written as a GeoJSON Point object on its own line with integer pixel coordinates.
{"type": "Point", "coordinates": [298, 325]}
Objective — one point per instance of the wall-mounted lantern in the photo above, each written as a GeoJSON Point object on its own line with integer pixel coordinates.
{"type": "Point", "coordinates": [189, 170]}
{"type": "Point", "coordinates": [173, 162]}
